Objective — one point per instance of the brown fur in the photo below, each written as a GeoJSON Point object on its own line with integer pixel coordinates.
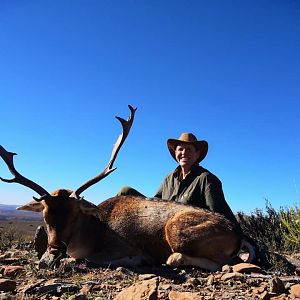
{"type": "Point", "coordinates": [129, 230]}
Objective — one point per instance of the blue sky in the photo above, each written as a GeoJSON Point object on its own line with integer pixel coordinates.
{"type": "Point", "coordinates": [228, 71]}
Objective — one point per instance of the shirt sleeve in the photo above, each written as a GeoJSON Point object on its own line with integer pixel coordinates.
{"type": "Point", "coordinates": [159, 192]}
{"type": "Point", "coordinates": [163, 189]}
{"type": "Point", "coordinates": [215, 199]}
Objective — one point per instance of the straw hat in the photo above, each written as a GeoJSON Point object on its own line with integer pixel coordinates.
{"type": "Point", "coordinates": [188, 138]}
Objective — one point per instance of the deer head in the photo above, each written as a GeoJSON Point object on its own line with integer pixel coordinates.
{"type": "Point", "coordinates": [61, 207]}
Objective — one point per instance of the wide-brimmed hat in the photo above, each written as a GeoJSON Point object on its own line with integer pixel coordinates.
{"type": "Point", "coordinates": [188, 138]}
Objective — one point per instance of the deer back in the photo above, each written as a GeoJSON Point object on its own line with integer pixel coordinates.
{"type": "Point", "coordinates": [145, 224]}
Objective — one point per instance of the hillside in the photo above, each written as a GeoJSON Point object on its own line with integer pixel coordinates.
{"type": "Point", "coordinates": [10, 212]}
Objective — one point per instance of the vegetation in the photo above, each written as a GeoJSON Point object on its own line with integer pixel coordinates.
{"type": "Point", "coordinates": [275, 233]}
{"type": "Point", "coordinates": [290, 227]}
{"type": "Point", "coordinates": [263, 228]}
{"type": "Point", "coordinates": [10, 236]}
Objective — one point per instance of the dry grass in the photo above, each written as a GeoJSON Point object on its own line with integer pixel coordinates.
{"type": "Point", "coordinates": [25, 228]}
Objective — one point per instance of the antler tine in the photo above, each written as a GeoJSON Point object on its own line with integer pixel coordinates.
{"type": "Point", "coordinates": [8, 158]}
{"type": "Point", "coordinates": [126, 125]}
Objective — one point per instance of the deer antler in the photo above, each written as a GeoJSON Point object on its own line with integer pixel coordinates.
{"type": "Point", "coordinates": [8, 158]}
{"type": "Point", "coordinates": [126, 125]}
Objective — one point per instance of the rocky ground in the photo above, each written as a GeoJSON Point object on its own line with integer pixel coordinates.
{"type": "Point", "coordinates": [21, 279]}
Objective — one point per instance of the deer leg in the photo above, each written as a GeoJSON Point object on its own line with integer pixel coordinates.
{"type": "Point", "coordinates": [180, 259]}
{"type": "Point", "coordinates": [199, 240]}
{"type": "Point", "coordinates": [127, 261]}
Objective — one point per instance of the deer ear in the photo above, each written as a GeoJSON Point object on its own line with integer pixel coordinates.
{"type": "Point", "coordinates": [89, 208]}
{"type": "Point", "coordinates": [32, 206]}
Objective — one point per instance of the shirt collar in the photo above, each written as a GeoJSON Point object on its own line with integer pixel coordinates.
{"type": "Point", "coordinates": [177, 171]}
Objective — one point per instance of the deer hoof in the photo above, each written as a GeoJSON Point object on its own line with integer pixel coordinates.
{"type": "Point", "coordinates": [175, 260]}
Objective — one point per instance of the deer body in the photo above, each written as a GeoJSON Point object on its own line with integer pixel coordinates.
{"type": "Point", "coordinates": [128, 230]}
{"type": "Point", "coordinates": [159, 228]}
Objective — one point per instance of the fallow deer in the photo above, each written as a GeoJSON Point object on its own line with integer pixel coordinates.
{"type": "Point", "coordinates": [128, 231]}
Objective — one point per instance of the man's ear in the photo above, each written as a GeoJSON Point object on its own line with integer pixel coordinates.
{"type": "Point", "coordinates": [32, 206]}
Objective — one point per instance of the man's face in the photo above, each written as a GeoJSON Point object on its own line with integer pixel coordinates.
{"type": "Point", "coordinates": [186, 155]}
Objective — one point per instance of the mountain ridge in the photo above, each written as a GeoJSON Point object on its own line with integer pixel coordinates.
{"type": "Point", "coordinates": [9, 211]}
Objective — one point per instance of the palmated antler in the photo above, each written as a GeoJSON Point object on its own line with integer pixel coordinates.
{"type": "Point", "coordinates": [126, 125]}
{"type": "Point", "coordinates": [8, 158]}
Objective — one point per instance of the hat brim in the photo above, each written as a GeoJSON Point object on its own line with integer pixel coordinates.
{"type": "Point", "coordinates": [201, 146]}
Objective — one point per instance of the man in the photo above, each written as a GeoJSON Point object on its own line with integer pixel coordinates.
{"type": "Point", "coordinates": [190, 183]}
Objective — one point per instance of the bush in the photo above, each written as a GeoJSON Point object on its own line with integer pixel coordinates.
{"type": "Point", "coordinates": [272, 230]}
{"type": "Point", "coordinates": [290, 227]}
{"type": "Point", "coordinates": [275, 234]}
{"type": "Point", "coordinates": [10, 236]}
{"type": "Point", "coordinates": [263, 228]}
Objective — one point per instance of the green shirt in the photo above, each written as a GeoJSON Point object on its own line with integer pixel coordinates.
{"type": "Point", "coordinates": [199, 188]}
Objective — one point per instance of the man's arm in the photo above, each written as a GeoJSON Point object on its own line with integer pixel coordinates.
{"type": "Point", "coordinates": [215, 199]}
{"type": "Point", "coordinates": [158, 194]}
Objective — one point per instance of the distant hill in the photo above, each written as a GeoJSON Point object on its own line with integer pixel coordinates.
{"type": "Point", "coordinates": [6, 207]}
{"type": "Point", "coordinates": [9, 212]}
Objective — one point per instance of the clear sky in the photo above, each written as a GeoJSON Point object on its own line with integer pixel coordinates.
{"type": "Point", "coordinates": [228, 71]}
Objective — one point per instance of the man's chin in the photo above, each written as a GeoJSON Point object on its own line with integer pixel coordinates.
{"type": "Point", "coordinates": [185, 164]}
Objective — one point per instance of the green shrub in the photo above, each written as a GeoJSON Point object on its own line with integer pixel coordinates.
{"type": "Point", "coordinates": [276, 231]}
{"type": "Point", "coordinates": [275, 234]}
{"type": "Point", "coordinates": [290, 227]}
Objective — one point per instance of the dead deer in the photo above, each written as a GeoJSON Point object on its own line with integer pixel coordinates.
{"type": "Point", "coordinates": [129, 231]}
